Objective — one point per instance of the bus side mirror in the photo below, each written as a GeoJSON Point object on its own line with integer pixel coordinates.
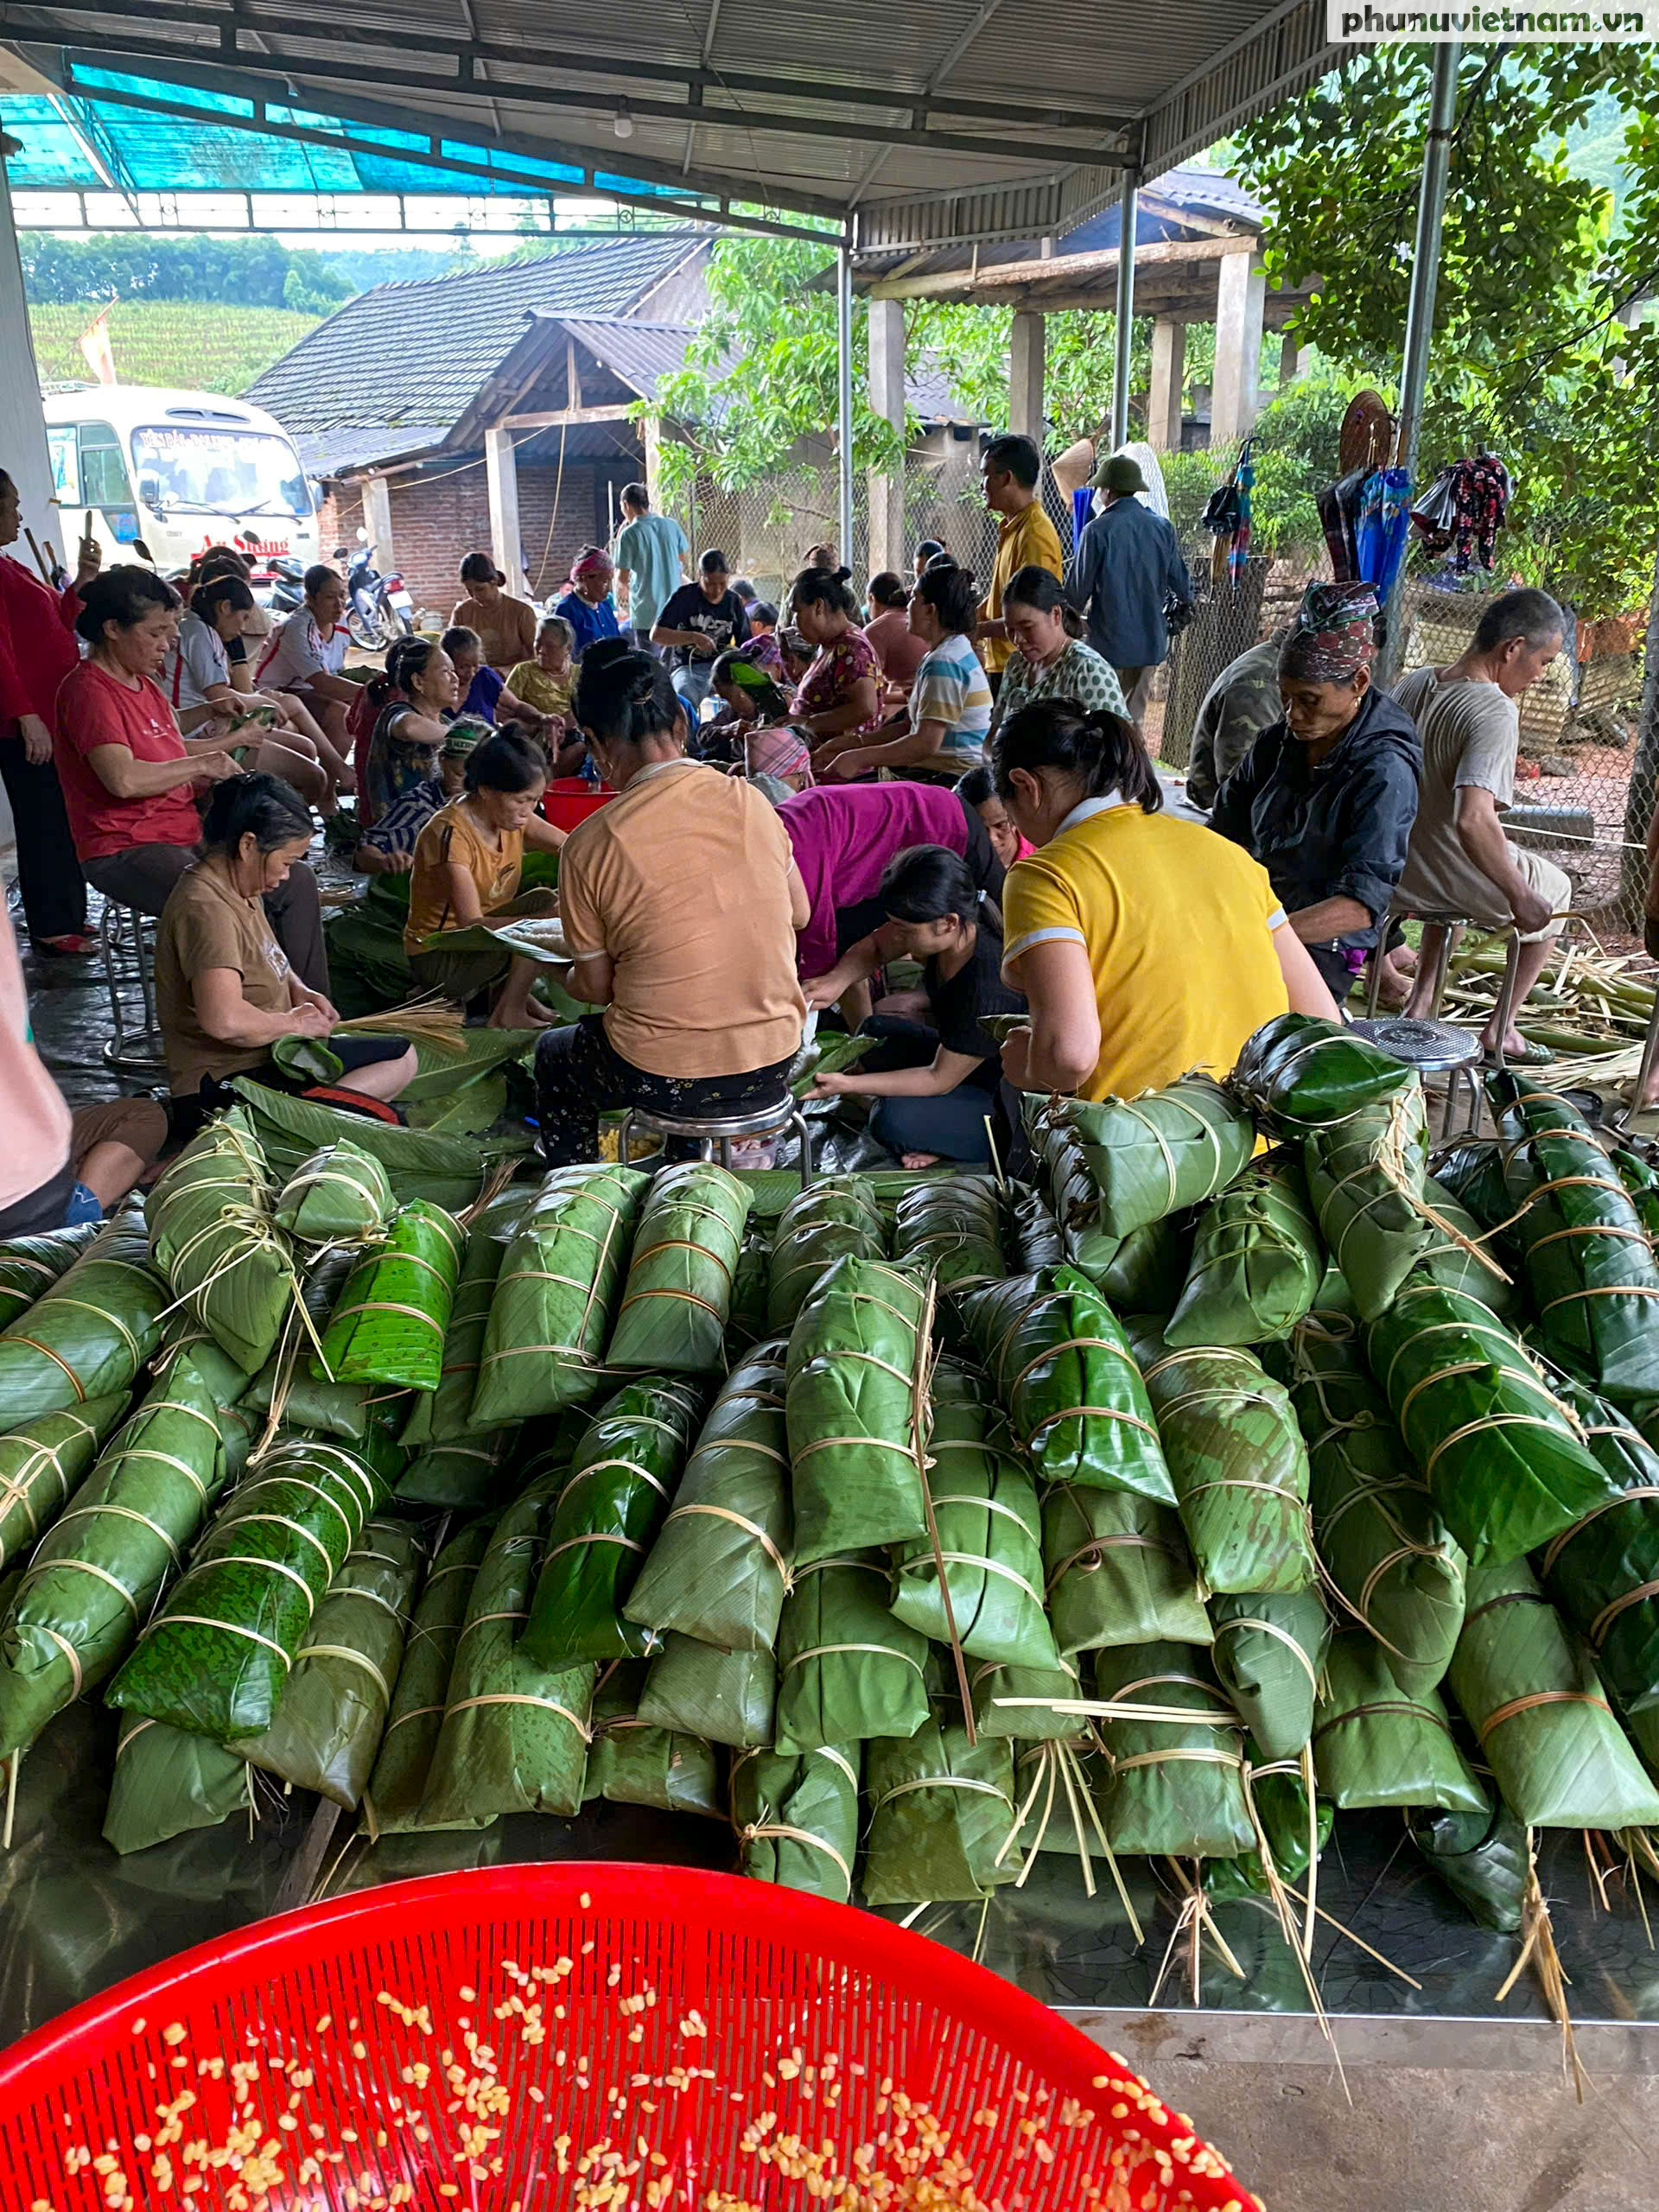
{"type": "Point", "coordinates": [150, 492]}
{"type": "Point", "coordinates": [144, 551]}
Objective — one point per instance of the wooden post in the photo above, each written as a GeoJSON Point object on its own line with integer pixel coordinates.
{"type": "Point", "coordinates": [1168, 371]}
{"type": "Point", "coordinates": [1028, 359]}
{"type": "Point", "coordinates": [651, 435]}
{"type": "Point", "coordinates": [377, 520]}
{"type": "Point", "coordinates": [1240, 296]}
{"type": "Point", "coordinates": [502, 472]}
{"type": "Point", "coordinates": [886, 342]}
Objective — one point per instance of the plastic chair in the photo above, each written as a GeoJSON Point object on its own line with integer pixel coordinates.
{"type": "Point", "coordinates": [124, 945]}
{"type": "Point", "coordinates": [723, 1129]}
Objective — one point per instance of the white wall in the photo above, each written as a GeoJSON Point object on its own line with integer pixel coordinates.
{"type": "Point", "coordinates": [23, 426]}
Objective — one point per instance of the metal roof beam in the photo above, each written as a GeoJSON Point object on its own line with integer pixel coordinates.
{"type": "Point", "coordinates": [964, 107]}
{"type": "Point", "coordinates": [995, 279]}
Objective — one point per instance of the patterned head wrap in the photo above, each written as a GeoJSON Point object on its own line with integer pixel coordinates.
{"type": "Point", "coordinates": [592, 561]}
{"type": "Point", "coordinates": [1332, 637]}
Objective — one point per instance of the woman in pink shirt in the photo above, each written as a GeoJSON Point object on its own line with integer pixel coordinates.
{"type": "Point", "coordinates": [897, 648]}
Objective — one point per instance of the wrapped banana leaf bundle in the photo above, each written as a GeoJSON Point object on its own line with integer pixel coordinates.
{"type": "Point", "coordinates": [855, 1411]}
{"type": "Point", "coordinates": [1393, 1563]}
{"type": "Point", "coordinates": [1156, 1154]}
{"type": "Point", "coordinates": [1117, 1571]}
{"type": "Point", "coordinates": [1064, 1372]}
{"type": "Point", "coordinates": [1373, 1744]}
{"type": "Point", "coordinates": [847, 1669]}
{"type": "Point", "coordinates": [213, 1237]}
{"type": "Point", "coordinates": [94, 1577]}
{"type": "Point", "coordinates": [620, 1484]}
{"type": "Point", "coordinates": [393, 1803]}
{"type": "Point", "coordinates": [217, 1656]}
{"type": "Point", "coordinates": [286, 1382]}
{"type": "Point", "coordinates": [940, 1813]}
{"type": "Point", "coordinates": [445, 1415]}
{"type": "Point", "coordinates": [678, 1296]}
{"type": "Point", "coordinates": [1498, 1450]}
{"type": "Point", "coordinates": [1022, 1705]}
{"type": "Point", "coordinates": [797, 1819]}
{"type": "Point", "coordinates": [1532, 1695]}
{"type": "Point", "coordinates": [989, 1533]}
{"type": "Point", "coordinates": [41, 1463]}
{"type": "Point", "coordinates": [169, 1780]}
{"type": "Point", "coordinates": [955, 1227]}
{"type": "Point", "coordinates": [341, 1195]}
{"type": "Point", "coordinates": [1473, 1172]}
{"type": "Point", "coordinates": [719, 1565]}
{"type": "Point", "coordinates": [1031, 1234]}
{"type": "Point", "coordinates": [90, 1333]}
{"type": "Point", "coordinates": [631, 1762]}
{"type": "Point", "coordinates": [393, 1314]}
{"type": "Point", "coordinates": [1258, 1261]}
{"type": "Point", "coordinates": [550, 1316]}
{"type": "Point", "coordinates": [1590, 1270]}
{"type": "Point", "coordinates": [1448, 1260]}
{"type": "Point", "coordinates": [837, 1217]}
{"type": "Point", "coordinates": [1638, 1175]}
{"type": "Point", "coordinates": [1300, 1073]}
{"type": "Point", "coordinates": [747, 1324]}
{"type": "Point", "coordinates": [1266, 1655]}
{"type": "Point", "coordinates": [1603, 1573]}
{"type": "Point", "coordinates": [333, 1710]}
{"type": "Point", "coordinates": [1175, 1782]}
{"type": "Point", "coordinates": [1237, 1463]}
{"type": "Point", "coordinates": [30, 1265]}
{"type": "Point", "coordinates": [1367, 1179]}
{"type": "Point", "coordinates": [462, 1477]}
{"type": "Point", "coordinates": [1482, 1857]}
{"type": "Point", "coordinates": [514, 1738]}
{"type": "Point", "coordinates": [724, 1697]}
{"type": "Point", "coordinates": [1295, 1833]}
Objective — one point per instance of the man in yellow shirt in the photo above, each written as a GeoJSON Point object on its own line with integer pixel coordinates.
{"type": "Point", "coordinates": [1008, 471]}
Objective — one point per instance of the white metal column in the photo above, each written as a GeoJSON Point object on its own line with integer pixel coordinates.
{"type": "Point", "coordinates": [501, 470]}
{"type": "Point", "coordinates": [1125, 311]}
{"type": "Point", "coordinates": [844, 394]}
{"type": "Point", "coordinates": [887, 492]}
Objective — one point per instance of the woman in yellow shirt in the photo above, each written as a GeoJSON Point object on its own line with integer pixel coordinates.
{"type": "Point", "coordinates": [468, 863]}
{"type": "Point", "coordinates": [549, 684]}
{"type": "Point", "coordinates": [1148, 948]}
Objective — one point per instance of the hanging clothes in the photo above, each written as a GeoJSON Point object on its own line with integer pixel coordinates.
{"type": "Point", "coordinates": [1481, 491]}
{"type": "Point", "coordinates": [1244, 478]}
{"type": "Point", "coordinates": [1339, 506]}
{"type": "Point", "coordinates": [1384, 528]}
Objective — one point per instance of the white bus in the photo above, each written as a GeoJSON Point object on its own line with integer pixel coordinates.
{"type": "Point", "coordinates": [178, 470]}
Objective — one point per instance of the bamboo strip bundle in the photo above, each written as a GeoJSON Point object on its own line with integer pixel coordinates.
{"type": "Point", "coordinates": [1266, 1654]}
{"type": "Point", "coordinates": [847, 1669]}
{"type": "Point", "coordinates": [940, 1812]}
{"type": "Point", "coordinates": [341, 1195]}
{"type": "Point", "coordinates": [1374, 1745]}
{"type": "Point", "coordinates": [1117, 1572]}
{"type": "Point", "coordinates": [1175, 1754]}
{"type": "Point", "coordinates": [1367, 1179]}
{"type": "Point", "coordinates": [1258, 1261]}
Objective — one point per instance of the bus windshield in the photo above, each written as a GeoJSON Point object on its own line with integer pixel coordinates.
{"type": "Point", "coordinates": [230, 473]}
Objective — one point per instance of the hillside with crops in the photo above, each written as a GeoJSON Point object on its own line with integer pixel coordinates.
{"type": "Point", "coordinates": [195, 343]}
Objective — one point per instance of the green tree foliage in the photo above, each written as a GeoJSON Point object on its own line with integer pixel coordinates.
{"type": "Point", "coordinates": [255, 272]}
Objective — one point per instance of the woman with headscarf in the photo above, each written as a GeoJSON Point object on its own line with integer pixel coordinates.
{"type": "Point", "coordinates": [1326, 797]}
{"type": "Point", "coordinates": [587, 607]}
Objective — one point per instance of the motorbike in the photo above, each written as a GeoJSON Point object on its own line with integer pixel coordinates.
{"type": "Point", "coordinates": [379, 609]}
{"type": "Point", "coordinates": [279, 586]}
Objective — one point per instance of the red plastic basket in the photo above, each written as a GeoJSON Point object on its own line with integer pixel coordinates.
{"type": "Point", "coordinates": [570, 799]}
{"type": "Point", "coordinates": [717, 2038]}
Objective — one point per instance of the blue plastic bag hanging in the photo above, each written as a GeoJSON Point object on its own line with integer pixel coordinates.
{"type": "Point", "coordinates": [1384, 528]}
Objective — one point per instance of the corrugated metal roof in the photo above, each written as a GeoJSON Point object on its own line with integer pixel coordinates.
{"type": "Point", "coordinates": [643, 354]}
{"type": "Point", "coordinates": [327, 452]}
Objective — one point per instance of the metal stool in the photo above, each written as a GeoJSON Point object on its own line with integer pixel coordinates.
{"type": "Point", "coordinates": [1624, 1115]}
{"type": "Point", "coordinates": [722, 1130]}
{"type": "Point", "coordinates": [1450, 926]}
{"type": "Point", "coordinates": [1435, 1047]}
{"type": "Point", "coordinates": [123, 948]}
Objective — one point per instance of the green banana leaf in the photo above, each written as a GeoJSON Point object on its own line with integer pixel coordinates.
{"type": "Point", "coordinates": [30, 1265]}
{"type": "Point", "coordinates": [1603, 1573]}
{"type": "Point", "coordinates": [1373, 1744]}
{"type": "Point", "coordinates": [847, 1669]}
{"type": "Point", "coordinates": [1483, 1860]}
{"type": "Point", "coordinates": [1258, 1261]}
{"type": "Point", "coordinates": [678, 1295]}
{"type": "Point", "coordinates": [955, 1228]}
{"type": "Point", "coordinates": [796, 1818]}
{"type": "Point", "coordinates": [624, 1473]}
{"type": "Point", "coordinates": [1301, 1073]}
{"type": "Point", "coordinates": [213, 1237]}
{"type": "Point", "coordinates": [1392, 1563]}
{"type": "Point", "coordinates": [448, 1171]}
{"type": "Point", "coordinates": [1638, 1175]}
{"type": "Point", "coordinates": [1237, 1463]}
{"type": "Point", "coordinates": [1294, 1837]}
{"type": "Point", "coordinates": [747, 1324]}
{"type": "Point", "coordinates": [368, 969]}
{"type": "Point", "coordinates": [90, 1333]}
{"type": "Point", "coordinates": [1156, 1155]}
{"type": "Point", "coordinates": [720, 1564]}
{"type": "Point", "coordinates": [462, 1477]}
{"type": "Point", "coordinates": [836, 1218]}
{"type": "Point", "coordinates": [629, 1762]}
{"type": "Point", "coordinates": [455, 1064]}
{"type": "Point", "coordinates": [167, 1781]}
{"type": "Point", "coordinates": [724, 1697]}
{"type": "Point", "coordinates": [1064, 1371]}
{"type": "Point", "coordinates": [1453, 1266]}
{"type": "Point", "coordinates": [339, 1196]}
{"type": "Point", "coordinates": [445, 1415]}
{"type": "Point", "coordinates": [1590, 1270]}
{"type": "Point", "coordinates": [1117, 1571]}
{"type": "Point", "coordinates": [349, 1410]}
{"type": "Point", "coordinates": [394, 1802]}
{"type": "Point", "coordinates": [1031, 1234]}
{"type": "Point", "coordinates": [1497, 1448]}
{"type": "Point", "coordinates": [551, 1312]}
{"type": "Point", "coordinates": [940, 1813]}
{"type": "Point", "coordinates": [854, 1410]}
{"type": "Point", "coordinates": [1173, 1787]}
{"type": "Point", "coordinates": [393, 1314]}
{"type": "Point", "coordinates": [94, 1577]}
{"type": "Point", "coordinates": [826, 1055]}
{"type": "Point", "coordinates": [514, 1738]}
{"type": "Point", "coordinates": [1537, 1706]}
{"type": "Point", "coordinates": [1473, 1172]}
{"type": "Point", "coordinates": [1020, 1704]}
{"type": "Point", "coordinates": [475, 1108]}
{"type": "Point", "coordinates": [41, 1463]}
{"type": "Point", "coordinates": [1267, 1653]}
{"type": "Point", "coordinates": [216, 1657]}
{"type": "Point", "coordinates": [1146, 1273]}
{"type": "Point", "coordinates": [334, 1707]}
{"type": "Point", "coordinates": [989, 1536]}
{"type": "Point", "coordinates": [1364, 1179]}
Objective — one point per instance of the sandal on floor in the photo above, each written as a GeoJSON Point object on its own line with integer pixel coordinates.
{"type": "Point", "coordinates": [1529, 1056]}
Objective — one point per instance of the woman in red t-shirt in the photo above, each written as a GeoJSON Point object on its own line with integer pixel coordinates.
{"type": "Point", "coordinates": [37, 651]}
{"type": "Point", "coordinates": [129, 776]}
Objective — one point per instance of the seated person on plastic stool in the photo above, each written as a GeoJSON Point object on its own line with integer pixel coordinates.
{"type": "Point", "coordinates": [936, 1071]}
{"type": "Point", "coordinates": [681, 900]}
